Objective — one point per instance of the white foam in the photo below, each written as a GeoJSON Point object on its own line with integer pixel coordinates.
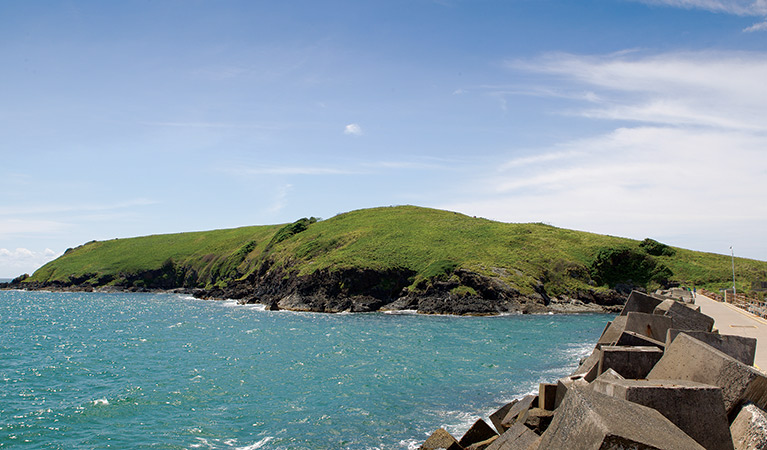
{"type": "Point", "coordinates": [402, 312]}
{"type": "Point", "coordinates": [256, 445]}
{"type": "Point", "coordinates": [101, 401]}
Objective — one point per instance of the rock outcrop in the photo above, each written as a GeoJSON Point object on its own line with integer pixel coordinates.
{"type": "Point", "coordinates": [351, 290]}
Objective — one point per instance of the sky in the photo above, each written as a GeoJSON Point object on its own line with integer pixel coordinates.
{"type": "Point", "coordinates": [633, 118]}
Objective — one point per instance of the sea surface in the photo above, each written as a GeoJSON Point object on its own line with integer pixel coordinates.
{"type": "Point", "coordinates": [162, 371]}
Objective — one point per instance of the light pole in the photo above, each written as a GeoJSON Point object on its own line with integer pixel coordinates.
{"type": "Point", "coordinates": [734, 293]}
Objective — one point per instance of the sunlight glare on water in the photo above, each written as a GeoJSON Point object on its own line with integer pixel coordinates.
{"type": "Point", "coordinates": [88, 370]}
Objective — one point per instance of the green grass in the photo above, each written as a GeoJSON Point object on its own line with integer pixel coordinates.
{"type": "Point", "coordinates": [431, 243]}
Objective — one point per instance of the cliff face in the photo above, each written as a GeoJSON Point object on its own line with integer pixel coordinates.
{"type": "Point", "coordinates": [358, 290]}
{"type": "Point", "coordinates": [351, 290]}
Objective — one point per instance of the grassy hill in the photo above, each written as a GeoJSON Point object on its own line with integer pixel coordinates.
{"type": "Point", "coordinates": [428, 245]}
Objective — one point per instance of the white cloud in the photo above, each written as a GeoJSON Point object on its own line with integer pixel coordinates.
{"type": "Point", "coordinates": [353, 129]}
{"type": "Point", "coordinates": [23, 260]}
{"type": "Point", "coordinates": [704, 89]}
{"type": "Point", "coordinates": [761, 26]}
{"type": "Point", "coordinates": [737, 7]}
{"type": "Point", "coordinates": [686, 162]}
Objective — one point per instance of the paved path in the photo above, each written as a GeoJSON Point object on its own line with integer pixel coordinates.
{"type": "Point", "coordinates": [730, 319]}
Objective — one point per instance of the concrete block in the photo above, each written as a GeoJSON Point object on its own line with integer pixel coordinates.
{"type": "Point", "coordinates": [441, 439]}
{"type": "Point", "coordinates": [739, 347]}
{"type": "Point", "coordinates": [497, 417]}
{"type": "Point", "coordinates": [588, 368]}
{"type": "Point", "coordinates": [521, 406]}
{"type": "Point", "coordinates": [653, 326]}
{"type": "Point", "coordinates": [685, 318]}
{"type": "Point", "coordinates": [518, 437]}
{"type": "Point", "coordinates": [564, 384]}
{"type": "Point", "coordinates": [749, 429]}
{"type": "Point", "coordinates": [588, 420]}
{"type": "Point", "coordinates": [629, 362]}
{"type": "Point", "coordinates": [482, 445]}
{"type": "Point", "coordinates": [547, 396]}
{"type": "Point", "coordinates": [606, 377]}
{"type": "Point", "coordinates": [613, 331]}
{"type": "Point", "coordinates": [696, 408]}
{"type": "Point", "coordinates": [633, 339]}
{"type": "Point", "coordinates": [478, 432]}
{"type": "Point", "coordinates": [536, 419]}
{"type": "Point", "coordinates": [690, 359]}
{"type": "Point", "coordinates": [640, 302]}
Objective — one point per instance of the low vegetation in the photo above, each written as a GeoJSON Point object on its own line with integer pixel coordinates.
{"type": "Point", "coordinates": [431, 244]}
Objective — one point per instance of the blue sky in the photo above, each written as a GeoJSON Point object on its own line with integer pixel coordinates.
{"type": "Point", "coordinates": [630, 118]}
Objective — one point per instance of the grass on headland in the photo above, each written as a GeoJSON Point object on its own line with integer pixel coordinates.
{"type": "Point", "coordinates": [431, 243]}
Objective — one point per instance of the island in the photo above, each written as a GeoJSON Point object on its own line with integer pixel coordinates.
{"type": "Point", "coordinates": [392, 259]}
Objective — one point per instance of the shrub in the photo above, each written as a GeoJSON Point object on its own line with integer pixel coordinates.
{"type": "Point", "coordinates": [655, 248]}
{"type": "Point", "coordinates": [625, 265]}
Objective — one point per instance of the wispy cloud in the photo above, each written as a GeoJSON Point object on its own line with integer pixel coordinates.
{"type": "Point", "coordinates": [685, 160]}
{"type": "Point", "coordinates": [280, 199]}
{"type": "Point", "coordinates": [705, 88]}
{"type": "Point", "coordinates": [353, 129]}
{"type": "Point", "coordinates": [737, 7]}
{"type": "Point", "coordinates": [761, 26]}
{"type": "Point", "coordinates": [27, 227]}
{"type": "Point", "coordinates": [73, 207]}
{"type": "Point", "coordinates": [343, 168]}
{"type": "Point", "coordinates": [216, 125]}
{"type": "Point", "coordinates": [291, 170]}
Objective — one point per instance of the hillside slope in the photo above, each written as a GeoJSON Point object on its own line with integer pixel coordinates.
{"type": "Point", "coordinates": [402, 257]}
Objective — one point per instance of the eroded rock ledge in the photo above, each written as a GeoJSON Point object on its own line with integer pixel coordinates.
{"type": "Point", "coordinates": [361, 290]}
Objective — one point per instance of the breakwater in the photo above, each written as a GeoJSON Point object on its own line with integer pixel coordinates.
{"type": "Point", "coordinates": [659, 377]}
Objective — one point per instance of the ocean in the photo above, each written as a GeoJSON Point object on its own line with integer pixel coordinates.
{"type": "Point", "coordinates": [163, 371]}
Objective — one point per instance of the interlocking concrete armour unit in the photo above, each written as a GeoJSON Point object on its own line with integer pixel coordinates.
{"type": "Point", "coordinates": [497, 417]}
{"type": "Point", "coordinates": [521, 406]}
{"type": "Point", "coordinates": [684, 317]}
{"type": "Point", "coordinates": [690, 359]}
{"type": "Point", "coordinates": [629, 362]}
{"type": "Point", "coordinates": [588, 420]}
{"type": "Point", "coordinates": [441, 439]}
{"type": "Point", "coordinates": [640, 302]}
{"type": "Point", "coordinates": [741, 348]}
{"type": "Point", "coordinates": [518, 437]}
{"type": "Point", "coordinates": [547, 396]}
{"type": "Point", "coordinates": [478, 432]}
{"type": "Point", "coordinates": [633, 339]}
{"type": "Point", "coordinates": [653, 326]}
{"type": "Point", "coordinates": [696, 408]}
{"type": "Point", "coordinates": [749, 429]}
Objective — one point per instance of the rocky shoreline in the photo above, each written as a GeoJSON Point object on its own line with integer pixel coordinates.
{"type": "Point", "coordinates": [360, 290]}
{"type": "Point", "coordinates": [659, 377]}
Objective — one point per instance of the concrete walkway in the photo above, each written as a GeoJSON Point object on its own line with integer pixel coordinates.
{"type": "Point", "coordinates": [730, 319]}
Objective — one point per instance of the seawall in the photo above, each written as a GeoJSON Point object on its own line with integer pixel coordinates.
{"type": "Point", "coordinates": [669, 372]}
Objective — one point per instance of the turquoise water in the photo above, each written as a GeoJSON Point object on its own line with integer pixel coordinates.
{"type": "Point", "coordinates": [86, 370]}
